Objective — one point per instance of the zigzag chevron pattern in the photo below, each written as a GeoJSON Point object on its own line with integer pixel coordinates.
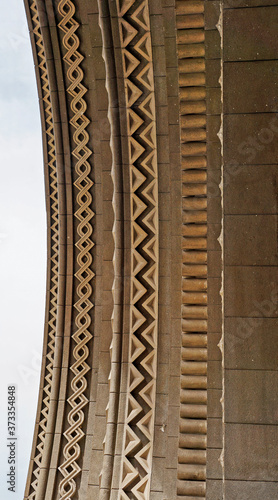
{"type": "Point", "coordinates": [77, 400]}
{"type": "Point", "coordinates": [193, 422]}
{"type": "Point", "coordinates": [54, 229]}
{"type": "Point", "coordinates": [134, 26]}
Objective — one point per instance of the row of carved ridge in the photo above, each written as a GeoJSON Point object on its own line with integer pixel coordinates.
{"type": "Point", "coordinates": [193, 413]}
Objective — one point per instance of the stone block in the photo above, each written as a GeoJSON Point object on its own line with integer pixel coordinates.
{"type": "Point", "coordinates": [241, 40]}
{"type": "Point", "coordinates": [251, 291]}
{"type": "Point", "coordinates": [251, 452]}
{"type": "Point", "coordinates": [251, 343]}
{"type": "Point", "coordinates": [240, 77]}
{"type": "Point", "coordinates": [250, 240]}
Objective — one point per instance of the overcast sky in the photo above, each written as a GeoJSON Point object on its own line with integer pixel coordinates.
{"type": "Point", "coordinates": [22, 237]}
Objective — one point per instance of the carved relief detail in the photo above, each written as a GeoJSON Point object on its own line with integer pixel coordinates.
{"type": "Point", "coordinates": [193, 423]}
{"type": "Point", "coordinates": [134, 26]}
{"type": "Point", "coordinates": [77, 400]}
{"type": "Point", "coordinates": [54, 240]}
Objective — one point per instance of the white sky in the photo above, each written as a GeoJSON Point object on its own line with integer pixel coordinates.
{"type": "Point", "coordinates": [22, 237]}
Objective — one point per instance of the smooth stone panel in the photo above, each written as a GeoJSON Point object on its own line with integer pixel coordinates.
{"type": "Point", "coordinates": [251, 343]}
{"type": "Point", "coordinates": [251, 452]}
{"type": "Point", "coordinates": [251, 396]}
{"type": "Point", "coordinates": [214, 489]}
{"type": "Point", "coordinates": [250, 35]}
{"type": "Point", "coordinates": [250, 240]}
{"type": "Point", "coordinates": [251, 139]}
{"type": "Point", "coordinates": [215, 434]}
{"type": "Point", "coordinates": [247, 490]}
{"type": "Point", "coordinates": [251, 291]}
{"type": "Point", "coordinates": [214, 375]}
{"type": "Point", "coordinates": [251, 189]}
{"type": "Point", "coordinates": [214, 405]}
{"type": "Point", "coordinates": [214, 469]}
{"type": "Point", "coordinates": [250, 87]}
{"type": "Point", "coordinates": [235, 4]}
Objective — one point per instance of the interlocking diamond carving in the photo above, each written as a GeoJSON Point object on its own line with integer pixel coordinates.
{"type": "Point", "coordinates": [77, 400]}
{"type": "Point", "coordinates": [54, 241]}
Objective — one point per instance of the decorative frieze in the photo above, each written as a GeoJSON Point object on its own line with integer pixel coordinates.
{"type": "Point", "coordinates": [136, 47]}
{"type": "Point", "coordinates": [81, 335]}
{"type": "Point", "coordinates": [53, 245]}
{"type": "Point", "coordinates": [193, 413]}
{"type": "Point", "coordinates": [125, 463]}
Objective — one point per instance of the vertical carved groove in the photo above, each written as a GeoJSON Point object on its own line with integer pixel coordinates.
{"type": "Point", "coordinates": [77, 400]}
{"type": "Point", "coordinates": [193, 412]}
{"type": "Point", "coordinates": [114, 379]}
